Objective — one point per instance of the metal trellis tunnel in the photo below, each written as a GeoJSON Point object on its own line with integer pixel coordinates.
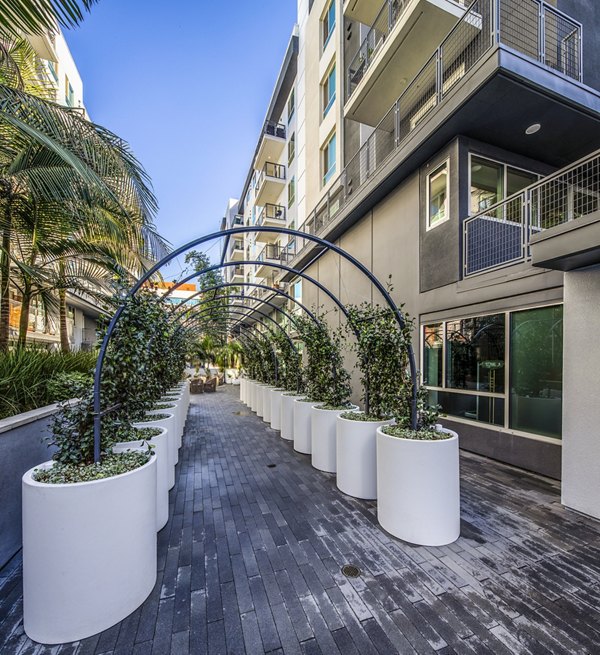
{"type": "Point", "coordinates": [325, 246]}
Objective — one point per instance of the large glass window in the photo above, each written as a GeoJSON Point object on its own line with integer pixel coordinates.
{"type": "Point", "coordinates": [536, 339]}
{"type": "Point", "coordinates": [291, 105]}
{"type": "Point", "coordinates": [329, 159]}
{"type": "Point", "coordinates": [484, 409]}
{"type": "Point", "coordinates": [433, 354]}
{"type": "Point", "coordinates": [328, 23]}
{"type": "Point", "coordinates": [291, 148]}
{"type": "Point", "coordinates": [329, 91]}
{"type": "Point", "coordinates": [437, 196]}
{"type": "Point", "coordinates": [475, 354]}
{"type": "Point", "coordinates": [291, 192]}
{"type": "Point", "coordinates": [492, 181]}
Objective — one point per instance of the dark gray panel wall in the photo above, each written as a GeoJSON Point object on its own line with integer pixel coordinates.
{"type": "Point", "coordinates": [20, 449]}
{"type": "Point", "coordinates": [587, 12]}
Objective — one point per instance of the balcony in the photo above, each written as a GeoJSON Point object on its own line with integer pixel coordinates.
{"type": "Point", "coordinates": [238, 220]}
{"type": "Point", "coordinates": [485, 81]}
{"type": "Point", "coordinates": [273, 253]}
{"type": "Point", "coordinates": [236, 273]}
{"type": "Point", "coordinates": [272, 143]}
{"type": "Point", "coordinates": [270, 216]}
{"type": "Point", "coordinates": [402, 35]}
{"type": "Point", "coordinates": [236, 250]}
{"type": "Point", "coordinates": [270, 184]}
{"type": "Point", "coordinates": [554, 223]}
{"type": "Point", "coordinates": [362, 11]}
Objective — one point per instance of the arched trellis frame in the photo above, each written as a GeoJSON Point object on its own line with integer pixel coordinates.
{"type": "Point", "coordinates": [226, 235]}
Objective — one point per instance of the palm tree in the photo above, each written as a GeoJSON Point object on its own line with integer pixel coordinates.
{"type": "Point", "coordinates": [38, 16]}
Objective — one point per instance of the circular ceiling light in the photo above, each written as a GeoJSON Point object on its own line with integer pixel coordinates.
{"type": "Point", "coordinates": [532, 129]}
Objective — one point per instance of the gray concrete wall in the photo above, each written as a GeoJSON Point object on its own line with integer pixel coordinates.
{"type": "Point", "coordinates": [581, 409]}
{"type": "Point", "coordinates": [22, 446]}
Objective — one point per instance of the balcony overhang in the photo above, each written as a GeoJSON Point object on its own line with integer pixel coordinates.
{"type": "Point", "coordinates": [264, 270]}
{"type": "Point", "coordinates": [363, 11]}
{"type": "Point", "coordinates": [400, 56]}
{"type": "Point", "coordinates": [269, 150]}
{"type": "Point", "coordinates": [236, 255]}
{"type": "Point", "coordinates": [495, 103]}
{"type": "Point", "coordinates": [269, 190]}
{"type": "Point", "coordinates": [569, 246]}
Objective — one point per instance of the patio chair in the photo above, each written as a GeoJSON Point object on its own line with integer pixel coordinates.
{"type": "Point", "coordinates": [210, 385]}
{"type": "Point", "coordinates": [196, 385]}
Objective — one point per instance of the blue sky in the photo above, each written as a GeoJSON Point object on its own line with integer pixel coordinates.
{"type": "Point", "coordinates": [187, 84]}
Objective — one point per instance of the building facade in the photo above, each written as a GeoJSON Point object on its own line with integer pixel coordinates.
{"type": "Point", "coordinates": [454, 147]}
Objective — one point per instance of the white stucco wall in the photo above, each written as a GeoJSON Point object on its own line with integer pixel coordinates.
{"type": "Point", "coordinates": [581, 406]}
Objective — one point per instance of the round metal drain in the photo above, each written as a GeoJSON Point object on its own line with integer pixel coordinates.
{"type": "Point", "coordinates": [271, 466]}
{"type": "Point", "coordinates": [351, 571]}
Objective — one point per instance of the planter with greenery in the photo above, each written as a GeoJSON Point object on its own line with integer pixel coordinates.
{"type": "Point", "coordinates": [290, 380]}
{"type": "Point", "coordinates": [381, 354]}
{"type": "Point", "coordinates": [328, 386]}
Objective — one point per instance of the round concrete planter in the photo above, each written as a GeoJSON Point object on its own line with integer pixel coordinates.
{"type": "Point", "coordinates": [259, 400]}
{"type": "Point", "coordinates": [175, 407]}
{"type": "Point", "coordinates": [356, 457]}
{"type": "Point", "coordinates": [266, 402]}
{"type": "Point", "coordinates": [418, 489]}
{"type": "Point", "coordinates": [302, 426]}
{"type": "Point", "coordinates": [254, 395]}
{"type": "Point", "coordinates": [160, 445]}
{"type": "Point", "coordinates": [275, 401]}
{"type": "Point", "coordinates": [168, 424]}
{"type": "Point", "coordinates": [89, 553]}
{"type": "Point", "coordinates": [243, 390]}
{"type": "Point", "coordinates": [287, 416]}
{"type": "Point", "coordinates": [323, 435]}
{"type": "Point", "coordinates": [250, 391]}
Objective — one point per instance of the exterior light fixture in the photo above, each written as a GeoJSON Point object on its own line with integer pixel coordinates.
{"type": "Point", "coordinates": [532, 129]}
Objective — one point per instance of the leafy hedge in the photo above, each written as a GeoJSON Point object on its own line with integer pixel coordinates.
{"type": "Point", "coordinates": [34, 378]}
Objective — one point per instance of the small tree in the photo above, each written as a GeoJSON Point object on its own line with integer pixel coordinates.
{"type": "Point", "coordinates": [290, 364]}
{"type": "Point", "coordinates": [327, 380]}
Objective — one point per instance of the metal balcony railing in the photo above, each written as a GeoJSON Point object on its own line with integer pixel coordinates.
{"type": "Point", "coordinates": [238, 271]}
{"type": "Point", "coordinates": [237, 244]}
{"type": "Point", "coordinates": [270, 170]}
{"type": "Point", "coordinates": [500, 235]}
{"type": "Point", "coordinates": [238, 219]}
{"type": "Point", "coordinates": [273, 128]}
{"type": "Point", "coordinates": [531, 27]}
{"type": "Point", "coordinates": [271, 212]}
{"type": "Point", "coordinates": [277, 253]}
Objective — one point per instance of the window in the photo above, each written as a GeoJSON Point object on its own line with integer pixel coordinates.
{"type": "Point", "coordinates": [291, 192]}
{"type": "Point", "coordinates": [69, 93]}
{"type": "Point", "coordinates": [328, 87]}
{"type": "Point", "coordinates": [329, 159]}
{"type": "Point", "coordinates": [437, 196]}
{"type": "Point", "coordinates": [328, 23]}
{"type": "Point", "coordinates": [492, 181]}
{"type": "Point", "coordinates": [291, 106]}
{"type": "Point", "coordinates": [291, 148]}
{"type": "Point", "coordinates": [53, 66]}
{"type": "Point", "coordinates": [464, 364]}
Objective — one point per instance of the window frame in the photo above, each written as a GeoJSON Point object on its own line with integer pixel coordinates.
{"type": "Point", "coordinates": [330, 172]}
{"type": "Point", "coordinates": [292, 150]}
{"type": "Point", "coordinates": [327, 98]}
{"type": "Point", "coordinates": [428, 226]}
{"type": "Point", "coordinates": [327, 28]}
{"type": "Point", "coordinates": [291, 196]}
{"type": "Point", "coordinates": [291, 102]}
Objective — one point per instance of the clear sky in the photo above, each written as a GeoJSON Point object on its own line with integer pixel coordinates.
{"type": "Point", "coordinates": [187, 83]}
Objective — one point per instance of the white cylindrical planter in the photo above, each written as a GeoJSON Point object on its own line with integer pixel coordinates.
{"type": "Point", "coordinates": [276, 408]}
{"type": "Point", "coordinates": [259, 400]}
{"type": "Point", "coordinates": [176, 407]}
{"type": "Point", "coordinates": [89, 553]}
{"type": "Point", "coordinates": [173, 428]}
{"type": "Point", "coordinates": [266, 402]}
{"type": "Point", "coordinates": [287, 416]}
{"type": "Point", "coordinates": [160, 445]}
{"type": "Point", "coordinates": [253, 395]}
{"type": "Point", "coordinates": [242, 389]}
{"type": "Point", "coordinates": [302, 426]}
{"type": "Point", "coordinates": [323, 435]}
{"type": "Point", "coordinates": [166, 423]}
{"type": "Point", "coordinates": [356, 457]}
{"type": "Point", "coordinates": [418, 489]}
{"type": "Point", "coordinates": [250, 394]}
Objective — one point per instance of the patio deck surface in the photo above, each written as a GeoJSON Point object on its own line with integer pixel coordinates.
{"type": "Point", "coordinates": [250, 562]}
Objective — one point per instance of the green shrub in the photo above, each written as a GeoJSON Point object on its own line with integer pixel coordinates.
{"type": "Point", "coordinates": [62, 385]}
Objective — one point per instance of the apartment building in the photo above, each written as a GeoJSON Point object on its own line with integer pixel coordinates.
{"type": "Point", "coordinates": [454, 146]}
{"type": "Point", "coordinates": [58, 72]}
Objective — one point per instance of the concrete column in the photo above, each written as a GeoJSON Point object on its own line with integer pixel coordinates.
{"type": "Point", "coordinates": [581, 399]}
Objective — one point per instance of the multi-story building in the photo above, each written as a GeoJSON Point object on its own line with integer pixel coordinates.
{"type": "Point", "coordinates": [454, 146]}
{"type": "Point", "coordinates": [58, 73]}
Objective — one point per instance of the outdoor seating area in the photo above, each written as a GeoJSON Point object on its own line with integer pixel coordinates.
{"type": "Point", "coordinates": [252, 559]}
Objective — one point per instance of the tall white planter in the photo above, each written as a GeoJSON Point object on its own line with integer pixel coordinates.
{"type": "Point", "coordinates": [160, 444]}
{"type": "Point", "coordinates": [266, 402]}
{"type": "Point", "coordinates": [275, 400]}
{"type": "Point", "coordinates": [243, 390]}
{"type": "Point", "coordinates": [166, 423]}
{"type": "Point", "coordinates": [302, 426]}
{"type": "Point", "coordinates": [89, 553]}
{"type": "Point", "coordinates": [175, 407]}
{"type": "Point", "coordinates": [287, 416]}
{"type": "Point", "coordinates": [259, 400]}
{"type": "Point", "coordinates": [356, 457]}
{"type": "Point", "coordinates": [323, 435]}
{"type": "Point", "coordinates": [418, 489]}
{"type": "Point", "coordinates": [254, 395]}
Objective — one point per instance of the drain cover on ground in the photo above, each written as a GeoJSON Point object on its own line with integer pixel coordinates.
{"type": "Point", "coordinates": [271, 466]}
{"type": "Point", "coordinates": [351, 571]}
{"type": "Point", "coordinates": [241, 413]}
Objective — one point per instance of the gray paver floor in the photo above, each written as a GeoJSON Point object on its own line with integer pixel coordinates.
{"type": "Point", "coordinates": [250, 562]}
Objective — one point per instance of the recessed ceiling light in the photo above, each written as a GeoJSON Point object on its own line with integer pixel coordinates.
{"type": "Point", "coordinates": [532, 129]}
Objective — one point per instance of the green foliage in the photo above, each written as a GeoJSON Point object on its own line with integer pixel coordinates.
{"type": "Point", "coordinates": [426, 434]}
{"type": "Point", "coordinates": [327, 380]}
{"type": "Point", "coordinates": [34, 378]}
{"type": "Point", "coordinates": [61, 386]}
{"type": "Point", "coordinates": [290, 374]}
{"type": "Point", "coordinates": [113, 464]}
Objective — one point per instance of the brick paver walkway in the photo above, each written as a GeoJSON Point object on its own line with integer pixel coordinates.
{"type": "Point", "coordinates": [250, 563]}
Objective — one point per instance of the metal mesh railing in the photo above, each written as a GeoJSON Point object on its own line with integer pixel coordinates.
{"type": "Point", "coordinates": [272, 128]}
{"type": "Point", "coordinates": [271, 212]}
{"type": "Point", "coordinates": [499, 235]}
{"type": "Point", "coordinates": [530, 27]}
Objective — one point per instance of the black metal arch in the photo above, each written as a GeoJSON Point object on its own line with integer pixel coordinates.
{"type": "Point", "coordinates": [227, 234]}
